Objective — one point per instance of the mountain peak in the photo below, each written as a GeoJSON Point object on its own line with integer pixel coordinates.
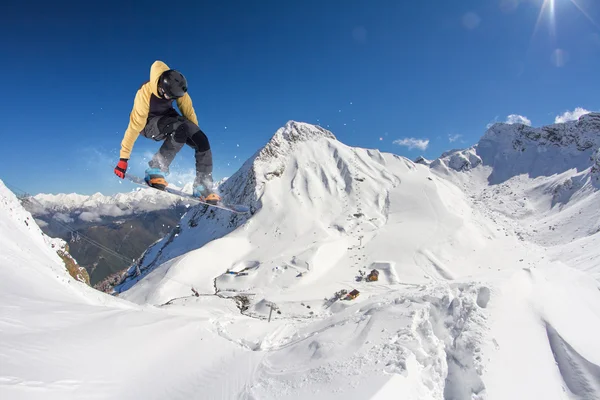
{"type": "Point", "coordinates": [292, 132]}
{"type": "Point", "coordinates": [269, 162]}
{"type": "Point", "coordinates": [514, 149]}
{"type": "Point", "coordinates": [422, 160]}
{"type": "Point", "coordinates": [579, 135]}
{"type": "Point", "coordinates": [592, 119]}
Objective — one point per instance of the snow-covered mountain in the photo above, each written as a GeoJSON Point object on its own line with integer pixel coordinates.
{"type": "Point", "coordinates": [467, 304]}
{"type": "Point", "coordinates": [74, 207]}
{"type": "Point", "coordinates": [539, 183]}
{"type": "Point", "coordinates": [26, 235]}
{"type": "Point", "coordinates": [517, 149]}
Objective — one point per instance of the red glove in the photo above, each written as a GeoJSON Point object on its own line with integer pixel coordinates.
{"type": "Point", "coordinates": [121, 168]}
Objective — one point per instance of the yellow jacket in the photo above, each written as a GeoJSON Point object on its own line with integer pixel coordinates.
{"type": "Point", "coordinates": [141, 108]}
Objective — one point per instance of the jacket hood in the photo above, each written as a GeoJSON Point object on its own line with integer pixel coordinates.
{"type": "Point", "coordinates": [156, 70]}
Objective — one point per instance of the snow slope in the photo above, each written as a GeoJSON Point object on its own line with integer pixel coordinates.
{"type": "Point", "coordinates": [466, 307]}
{"type": "Point", "coordinates": [538, 183]}
{"type": "Point", "coordinates": [60, 339]}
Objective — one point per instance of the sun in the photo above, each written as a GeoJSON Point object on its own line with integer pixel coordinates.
{"type": "Point", "coordinates": [548, 10]}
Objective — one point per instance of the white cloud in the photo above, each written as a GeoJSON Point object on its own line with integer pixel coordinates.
{"type": "Point", "coordinates": [570, 115]}
{"type": "Point", "coordinates": [489, 125]}
{"type": "Point", "coordinates": [518, 119]}
{"type": "Point", "coordinates": [88, 216]}
{"type": "Point", "coordinates": [413, 143]}
{"type": "Point", "coordinates": [64, 218]}
{"type": "Point", "coordinates": [110, 210]}
{"type": "Point", "coordinates": [454, 138]}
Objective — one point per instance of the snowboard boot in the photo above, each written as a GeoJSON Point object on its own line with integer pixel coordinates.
{"type": "Point", "coordinates": [156, 178]}
{"type": "Point", "coordinates": [205, 195]}
{"type": "Point", "coordinates": [203, 190]}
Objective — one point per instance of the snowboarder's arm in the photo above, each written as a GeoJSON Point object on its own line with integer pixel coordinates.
{"type": "Point", "coordinates": [185, 105]}
{"type": "Point", "coordinates": [137, 120]}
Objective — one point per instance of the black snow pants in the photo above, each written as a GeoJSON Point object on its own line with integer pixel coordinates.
{"type": "Point", "coordinates": [177, 131]}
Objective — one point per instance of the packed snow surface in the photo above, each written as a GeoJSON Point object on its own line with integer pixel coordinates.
{"type": "Point", "coordinates": [488, 284]}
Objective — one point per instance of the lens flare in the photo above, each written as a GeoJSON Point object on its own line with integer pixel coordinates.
{"type": "Point", "coordinates": [585, 13]}
{"type": "Point", "coordinates": [548, 10]}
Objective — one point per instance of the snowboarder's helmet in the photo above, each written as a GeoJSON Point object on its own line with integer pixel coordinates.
{"type": "Point", "coordinates": [173, 84]}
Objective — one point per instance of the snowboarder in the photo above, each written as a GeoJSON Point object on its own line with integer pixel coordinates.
{"type": "Point", "coordinates": [155, 118]}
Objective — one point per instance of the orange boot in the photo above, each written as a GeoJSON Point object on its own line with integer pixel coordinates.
{"type": "Point", "coordinates": [206, 195]}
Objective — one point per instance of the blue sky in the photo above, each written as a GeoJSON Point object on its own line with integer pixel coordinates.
{"type": "Point", "coordinates": [373, 72]}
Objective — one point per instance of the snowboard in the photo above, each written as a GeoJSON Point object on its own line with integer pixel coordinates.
{"type": "Point", "coordinates": [235, 208]}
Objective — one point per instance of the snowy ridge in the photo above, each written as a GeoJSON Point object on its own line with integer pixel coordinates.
{"type": "Point", "coordinates": [422, 160]}
{"type": "Point", "coordinates": [514, 149]}
{"type": "Point", "coordinates": [457, 160]}
{"type": "Point", "coordinates": [30, 265]}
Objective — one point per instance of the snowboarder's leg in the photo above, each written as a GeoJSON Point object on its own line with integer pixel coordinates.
{"type": "Point", "coordinates": [203, 184]}
{"type": "Point", "coordinates": [158, 129]}
{"type": "Point", "coordinates": [174, 130]}
{"type": "Point", "coordinates": [203, 154]}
